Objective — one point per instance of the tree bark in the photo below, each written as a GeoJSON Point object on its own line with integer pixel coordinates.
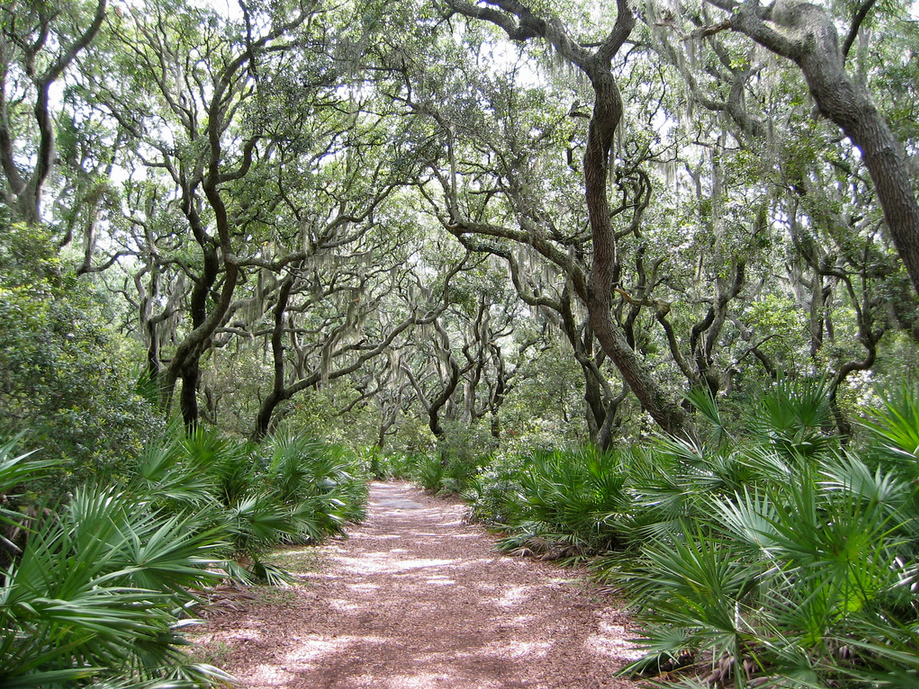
{"type": "Point", "coordinates": [808, 37]}
{"type": "Point", "coordinates": [521, 24]}
{"type": "Point", "coordinates": [276, 396]}
{"type": "Point", "coordinates": [25, 193]}
{"type": "Point", "coordinates": [603, 277]}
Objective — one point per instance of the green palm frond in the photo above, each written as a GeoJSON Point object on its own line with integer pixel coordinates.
{"type": "Point", "coordinates": [258, 521]}
{"type": "Point", "coordinates": [98, 587]}
{"type": "Point", "coordinates": [75, 615]}
{"type": "Point", "coordinates": [893, 649]}
{"type": "Point", "coordinates": [704, 402]}
{"type": "Point", "coordinates": [895, 429]}
{"type": "Point", "coordinates": [664, 647]}
{"type": "Point", "coordinates": [793, 417]}
{"type": "Point", "coordinates": [166, 476]}
{"type": "Point", "coordinates": [16, 469]}
{"type": "Point", "coordinates": [98, 590]}
{"type": "Point", "coordinates": [580, 494]}
{"type": "Point", "coordinates": [850, 475]}
{"type": "Point", "coordinates": [769, 466]}
{"type": "Point", "coordinates": [750, 517]}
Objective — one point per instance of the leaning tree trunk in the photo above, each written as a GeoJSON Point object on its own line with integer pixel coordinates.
{"type": "Point", "coordinates": [437, 404]}
{"type": "Point", "coordinates": [25, 190]}
{"type": "Point", "coordinates": [278, 391]}
{"type": "Point", "coordinates": [521, 24]}
{"type": "Point", "coordinates": [606, 116]}
{"type": "Point", "coordinates": [808, 38]}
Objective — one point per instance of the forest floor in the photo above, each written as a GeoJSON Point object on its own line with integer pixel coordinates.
{"type": "Point", "coordinates": [415, 598]}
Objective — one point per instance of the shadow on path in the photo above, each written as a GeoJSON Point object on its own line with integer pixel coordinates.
{"type": "Point", "coordinates": [415, 598]}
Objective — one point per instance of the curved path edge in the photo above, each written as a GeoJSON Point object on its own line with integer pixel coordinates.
{"type": "Point", "coordinates": [417, 598]}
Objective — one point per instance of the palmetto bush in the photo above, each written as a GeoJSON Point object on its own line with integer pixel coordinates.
{"type": "Point", "coordinates": [494, 494]}
{"type": "Point", "coordinates": [99, 592]}
{"type": "Point", "coordinates": [780, 559]}
{"type": "Point", "coordinates": [571, 504]}
{"type": "Point", "coordinates": [320, 483]}
{"type": "Point", "coordinates": [389, 465]}
{"type": "Point", "coordinates": [103, 585]}
{"type": "Point", "coordinates": [289, 489]}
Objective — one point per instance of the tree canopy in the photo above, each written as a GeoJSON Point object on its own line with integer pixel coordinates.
{"type": "Point", "coordinates": [400, 222]}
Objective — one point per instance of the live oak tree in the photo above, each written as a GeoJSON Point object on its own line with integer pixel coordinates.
{"type": "Point", "coordinates": [706, 336]}
{"type": "Point", "coordinates": [357, 330]}
{"type": "Point", "coordinates": [500, 180]}
{"type": "Point", "coordinates": [183, 91]}
{"type": "Point", "coordinates": [272, 196]}
{"type": "Point", "coordinates": [39, 43]}
{"type": "Point", "coordinates": [806, 34]}
{"type": "Point", "coordinates": [521, 23]}
{"type": "Point", "coordinates": [812, 184]}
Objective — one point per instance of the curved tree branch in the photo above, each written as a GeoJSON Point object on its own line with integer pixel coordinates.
{"type": "Point", "coordinates": [806, 34]}
{"type": "Point", "coordinates": [857, 21]}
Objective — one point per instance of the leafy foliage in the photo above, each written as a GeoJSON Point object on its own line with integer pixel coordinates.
{"type": "Point", "coordinates": [555, 504]}
{"type": "Point", "coordinates": [389, 465]}
{"type": "Point", "coordinates": [287, 490]}
{"type": "Point", "coordinates": [98, 592]}
{"type": "Point", "coordinates": [784, 577]}
{"type": "Point", "coordinates": [768, 554]}
{"type": "Point", "coordinates": [62, 382]}
{"type": "Point", "coordinates": [495, 493]}
{"type": "Point", "coordinates": [105, 582]}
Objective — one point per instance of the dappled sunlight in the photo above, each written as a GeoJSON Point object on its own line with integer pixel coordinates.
{"type": "Point", "coordinates": [613, 641]}
{"type": "Point", "coordinates": [518, 649]}
{"type": "Point", "coordinates": [271, 676]}
{"type": "Point", "coordinates": [345, 604]}
{"type": "Point", "coordinates": [312, 648]}
{"type": "Point", "coordinates": [243, 635]}
{"type": "Point", "coordinates": [429, 680]}
{"type": "Point", "coordinates": [440, 580]}
{"type": "Point", "coordinates": [363, 586]}
{"type": "Point", "coordinates": [379, 537]}
{"type": "Point", "coordinates": [417, 599]}
{"type": "Point", "coordinates": [513, 596]}
{"type": "Point", "coordinates": [376, 565]}
{"type": "Point", "coordinates": [521, 621]}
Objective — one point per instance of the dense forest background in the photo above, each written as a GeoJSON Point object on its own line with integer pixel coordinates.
{"type": "Point", "coordinates": [461, 231]}
{"type": "Point", "coordinates": [380, 224]}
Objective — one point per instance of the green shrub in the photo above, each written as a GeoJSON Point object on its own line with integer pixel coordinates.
{"type": "Point", "coordinates": [386, 466]}
{"type": "Point", "coordinates": [102, 584]}
{"type": "Point", "coordinates": [99, 591]}
{"type": "Point", "coordinates": [775, 558]}
{"type": "Point", "coordinates": [429, 473]}
{"type": "Point", "coordinates": [62, 382]}
{"type": "Point", "coordinates": [495, 493]}
{"type": "Point", "coordinates": [287, 490]}
{"type": "Point", "coordinates": [573, 504]}
{"type": "Point", "coordinates": [320, 482]}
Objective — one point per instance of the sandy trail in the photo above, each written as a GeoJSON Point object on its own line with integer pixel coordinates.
{"type": "Point", "coordinates": [415, 598]}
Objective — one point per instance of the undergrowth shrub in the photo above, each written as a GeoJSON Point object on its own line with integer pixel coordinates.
{"type": "Point", "coordinates": [429, 473]}
{"type": "Point", "coordinates": [99, 591]}
{"type": "Point", "coordinates": [779, 558]}
{"type": "Point", "coordinates": [769, 556]}
{"type": "Point", "coordinates": [494, 494]}
{"type": "Point", "coordinates": [62, 382]}
{"type": "Point", "coordinates": [387, 466]}
{"type": "Point", "coordinates": [574, 503]}
{"type": "Point", "coordinates": [96, 590]}
{"type": "Point", "coordinates": [445, 474]}
{"type": "Point", "coordinates": [289, 489]}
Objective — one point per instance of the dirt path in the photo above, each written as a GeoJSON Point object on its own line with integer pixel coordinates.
{"type": "Point", "coordinates": [415, 599]}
